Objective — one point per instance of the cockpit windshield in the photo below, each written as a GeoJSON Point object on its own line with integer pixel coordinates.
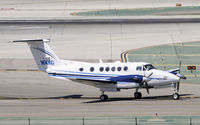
{"type": "Point", "coordinates": [148, 67]}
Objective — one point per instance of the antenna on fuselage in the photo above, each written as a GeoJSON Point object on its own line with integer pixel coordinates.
{"type": "Point", "coordinates": [100, 61]}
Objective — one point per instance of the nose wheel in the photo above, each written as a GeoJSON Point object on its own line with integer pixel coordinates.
{"type": "Point", "coordinates": [175, 96]}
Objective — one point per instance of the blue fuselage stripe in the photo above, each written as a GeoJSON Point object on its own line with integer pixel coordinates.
{"type": "Point", "coordinates": [94, 77]}
{"type": "Point", "coordinates": [78, 75]}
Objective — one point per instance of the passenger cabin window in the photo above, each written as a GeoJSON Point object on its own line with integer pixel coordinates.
{"type": "Point", "coordinates": [119, 68]}
{"type": "Point", "coordinates": [139, 68]}
{"type": "Point", "coordinates": [92, 69]}
{"type": "Point", "coordinates": [125, 68]}
{"type": "Point", "coordinates": [101, 69]}
{"type": "Point", "coordinates": [107, 69]}
{"type": "Point", "coordinates": [148, 67]}
{"type": "Point", "coordinates": [113, 69]}
{"type": "Point", "coordinates": [81, 69]}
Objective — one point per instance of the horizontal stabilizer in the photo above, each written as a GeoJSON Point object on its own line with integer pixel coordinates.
{"type": "Point", "coordinates": [33, 40]}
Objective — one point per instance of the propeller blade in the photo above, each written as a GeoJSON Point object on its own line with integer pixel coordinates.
{"type": "Point", "coordinates": [141, 84]}
{"type": "Point", "coordinates": [178, 85]}
{"type": "Point", "coordinates": [150, 74]}
{"type": "Point", "coordinates": [147, 88]}
{"type": "Point", "coordinates": [180, 67]}
{"type": "Point", "coordinates": [143, 71]}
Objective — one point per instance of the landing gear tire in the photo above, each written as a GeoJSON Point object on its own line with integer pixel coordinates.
{"type": "Point", "coordinates": [138, 95]}
{"type": "Point", "coordinates": [103, 97]}
{"type": "Point", "coordinates": [175, 96]}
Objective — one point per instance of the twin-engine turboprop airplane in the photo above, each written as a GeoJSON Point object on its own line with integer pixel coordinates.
{"type": "Point", "coordinates": [105, 76]}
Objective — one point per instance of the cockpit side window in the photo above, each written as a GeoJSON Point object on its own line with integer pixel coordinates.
{"type": "Point", "coordinates": [139, 68]}
{"type": "Point", "coordinates": [148, 67]}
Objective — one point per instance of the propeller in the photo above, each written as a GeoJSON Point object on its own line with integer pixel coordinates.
{"type": "Point", "coordinates": [146, 80]}
{"type": "Point", "coordinates": [181, 76]}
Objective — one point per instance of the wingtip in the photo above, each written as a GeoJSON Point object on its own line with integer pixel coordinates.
{"type": "Point", "coordinates": [32, 40]}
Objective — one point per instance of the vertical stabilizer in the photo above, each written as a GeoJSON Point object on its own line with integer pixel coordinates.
{"type": "Point", "coordinates": [44, 57]}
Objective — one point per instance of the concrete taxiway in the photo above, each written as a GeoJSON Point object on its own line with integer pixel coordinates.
{"type": "Point", "coordinates": [32, 93]}
{"type": "Point", "coordinates": [70, 99]}
{"type": "Point", "coordinates": [106, 41]}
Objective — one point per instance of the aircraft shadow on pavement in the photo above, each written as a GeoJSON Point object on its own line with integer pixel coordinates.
{"type": "Point", "coordinates": [74, 96]}
{"type": "Point", "coordinates": [97, 100]}
{"type": "Point", "coordinates": [150, 98]}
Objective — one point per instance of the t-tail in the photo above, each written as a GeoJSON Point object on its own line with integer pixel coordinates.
{"type": "Point", "coordinates": [44, 57]}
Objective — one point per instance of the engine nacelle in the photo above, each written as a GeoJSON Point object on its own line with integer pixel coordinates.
{"type": "Point", "coordinates": [127, 85]}
{"type": "Point", "coordinates": [137, 78]}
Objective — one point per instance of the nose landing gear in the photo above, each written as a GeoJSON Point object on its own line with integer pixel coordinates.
{"type": "Point", "coordinates": [176, 95]}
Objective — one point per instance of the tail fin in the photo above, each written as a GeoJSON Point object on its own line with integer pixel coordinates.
{"type": "Point", "coordinates": [44, 56]}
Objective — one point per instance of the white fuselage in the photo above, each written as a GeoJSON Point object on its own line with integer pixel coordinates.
{"type": "Point", "coordinates": [107, 72]}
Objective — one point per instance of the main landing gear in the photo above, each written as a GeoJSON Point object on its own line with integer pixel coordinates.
{"type": "Point", "coordinates": [137, 95]}
{"type": "Point", "coordinates": [103, 97]}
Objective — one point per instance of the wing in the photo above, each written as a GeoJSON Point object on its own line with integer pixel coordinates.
{"type": "Point", "coordinates": [103, 80]}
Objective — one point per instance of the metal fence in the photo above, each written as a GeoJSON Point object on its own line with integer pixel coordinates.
{"type": "Point", "coordinates": [128, 120]}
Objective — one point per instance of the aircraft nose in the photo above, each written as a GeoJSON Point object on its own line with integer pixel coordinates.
{"type": "Point", "coordinates": [174, 78]}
